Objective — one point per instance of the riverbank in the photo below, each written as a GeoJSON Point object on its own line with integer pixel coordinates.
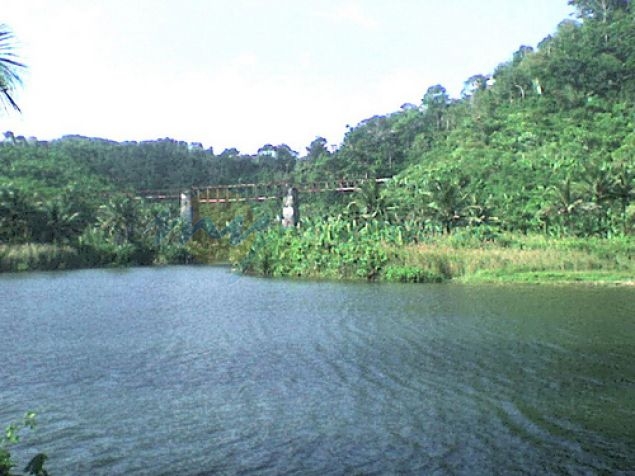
{"type": "Point", "coordinates": [464, 257]}
{"type": "Point", "coordinates": [38, 257]}
{"type": "Point", "coordinates": [553, 277]}
{"type": "Point", "coordinates": [507, 259]}
{"type": "Point", "coordinates": [52, 257]}
{"type": "Point", "coordinates": [527, 259]}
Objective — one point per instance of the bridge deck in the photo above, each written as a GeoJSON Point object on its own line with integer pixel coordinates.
{"type": "Point", "coordinates": [260, 192]}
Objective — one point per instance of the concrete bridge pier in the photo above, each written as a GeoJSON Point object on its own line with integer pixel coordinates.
{"type": "Point", "coordinates": [186, 212]}
{"type": "Point", "coordinates": [290, 208]}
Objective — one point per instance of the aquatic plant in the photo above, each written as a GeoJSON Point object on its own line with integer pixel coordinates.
{"type": "Point", "coordinates": [12, 436]}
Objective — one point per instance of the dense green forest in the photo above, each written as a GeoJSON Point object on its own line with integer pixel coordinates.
{"type": "Point", "coordinates": [538, 154]}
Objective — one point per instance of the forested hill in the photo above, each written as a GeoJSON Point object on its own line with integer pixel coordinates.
{"type": "Point", "coordinates": [134, 166]}
{"type": "Point", "coordinates": [546, 142]}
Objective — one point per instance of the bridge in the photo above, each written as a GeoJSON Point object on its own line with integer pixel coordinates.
{"type": "Point", "coordinates": [259, 192]}
{"type": "Point", "coordinates": [218, 194]}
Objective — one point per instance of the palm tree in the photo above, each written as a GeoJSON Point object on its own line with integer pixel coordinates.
{"type": "Point", "coordinates": [369, 203]}
{"type": "Point", "coordinates": [566, 202]}
{"type": "Point", "coordinates": [60, 223]}
{"type": "Point", "coordinates": [449, 201]}
{"type": "Point", "coordinates": [10, 68]}
{"type": "Point", "coordinates": [118, 218]}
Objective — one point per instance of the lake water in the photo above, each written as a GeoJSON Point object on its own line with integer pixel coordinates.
{"type": "Point", "coordinates": [195, 370]}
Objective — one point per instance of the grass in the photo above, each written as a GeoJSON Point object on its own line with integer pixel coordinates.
{"type": "Point", "coordinates": [532, 259]}
{"type": "Point", "coordinates": [553, 277]}
{"type": "Point", "coordinates": [37, 257]}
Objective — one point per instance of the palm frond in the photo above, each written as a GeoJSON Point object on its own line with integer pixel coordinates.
{"type": "Point", "coordinates": [10, 68]}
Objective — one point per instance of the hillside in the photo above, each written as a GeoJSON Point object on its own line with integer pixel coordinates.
{"type": "Point", "coordinates": [546, 143]}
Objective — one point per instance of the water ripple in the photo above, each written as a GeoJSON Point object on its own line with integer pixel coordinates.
{"type": "Point", "coordinates": [210, 374]}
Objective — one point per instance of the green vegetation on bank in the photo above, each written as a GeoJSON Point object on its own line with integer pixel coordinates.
{"type": "Point", "coordinates": [335, 248]}
{"type": "Point", "coordinates": [75, 229]}
{"type": "Point", "coordinates": [529, 175]}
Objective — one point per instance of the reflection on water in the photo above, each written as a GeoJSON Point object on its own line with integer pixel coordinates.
{"type": "Point", "coordinates": [187, 370]}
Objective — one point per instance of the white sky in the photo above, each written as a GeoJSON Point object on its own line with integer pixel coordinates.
{"type": "Point", "coordinates": [243, 73]}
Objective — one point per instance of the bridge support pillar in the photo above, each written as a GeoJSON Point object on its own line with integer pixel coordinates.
{"type": "Point", "coordinates": [290, 208]}
{"type": "Point", "coordinates": [186, 213]}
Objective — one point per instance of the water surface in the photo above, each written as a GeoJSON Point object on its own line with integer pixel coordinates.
{"type": "Point", "coordinates": [195, 370]}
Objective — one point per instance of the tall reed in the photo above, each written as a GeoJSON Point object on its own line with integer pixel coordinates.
{"type": "Point", "coordinates": [37, 257]}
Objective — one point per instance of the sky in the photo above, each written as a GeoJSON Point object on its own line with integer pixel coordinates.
{"type": "Point", "coordinates": [244, 73]}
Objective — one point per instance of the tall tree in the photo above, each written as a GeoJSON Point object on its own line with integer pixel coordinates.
{"type": "Point", "coordinates": [601, 10]}
{"type": "Point", "coordinates": [317, 148]}
{"type": "Point", "coordinates": [10, 68]}
{"type": "Point", "coordinates": [435, 102]}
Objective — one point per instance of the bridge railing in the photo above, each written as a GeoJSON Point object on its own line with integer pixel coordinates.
{"type": "Point", "coordinates": [259, 191]}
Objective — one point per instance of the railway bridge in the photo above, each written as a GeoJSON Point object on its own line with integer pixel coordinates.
{"type": "Point", "coordinates": [257, 192]}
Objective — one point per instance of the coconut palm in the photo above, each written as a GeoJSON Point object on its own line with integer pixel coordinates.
{"type": "Point", "coordinates": [10, 68]}
{"type": "Point", "coordinates": [566, 202]}
{"type": "Point", "coordinates": [118, 217]}
{"type": "Point", "coordinates": [60, 222]}
{"type": "Point", "coordinates": [448, 201]}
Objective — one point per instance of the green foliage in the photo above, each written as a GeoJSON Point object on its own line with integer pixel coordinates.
{"type": "Point", "coordinates": [411, 274]}
{"type": "Point", "coordinates": [18, 215]}
{"type": "Point", "coordinates": [332, 248]}
{"type": "Point", "coordinates": [10, 68]}
{"type": "Point", "coordinates": [32, 256]}
{"type": "Point", "coordinates": [340, 248]}
{"type": "Point", "coordinates": [228, 243]}
{"type": "Point", "coordinates": [510, 255]}
{"type": "Point", "coordinates": [526, 179]}
{"type": "Point", "coordinates": [12, 436]}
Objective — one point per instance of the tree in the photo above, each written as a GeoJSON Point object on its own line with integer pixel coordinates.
{"type": "Point", "coordinates": [523, 52]}
{"type": "Point", "coordinates": [449, 200]}
{"type": "Point", "coordinates": [317, 148]}
{"type": "Point", "coordinates": [624, 177]}
{"type": "Point", "coordinates": [515, 78]}
{"type": "Point", "coordinates": [566, 202]}
{"type": "Point", "coordinates": [435, 102]}
{"type": "Point", "coordinates": [118, 219]}
{"type": "Point", "coordinates": [370, 149]}
{"type": "Point", "coordinates": [61, 223]}
{"type": "Point", "coordinates": [268, 150]}
{"type": "Point", "coordinates": [285, 158]}
{"type": "Point", "coordinates": [368, 200]}
{"type": "Point", "coordinates": [18, 215]}
{"type": "Point", "coordinates": [474, 84]}
{"type": "Point", "coordinates": [10, 68]}
{"type": "Point", "coordinates": [602, 10]}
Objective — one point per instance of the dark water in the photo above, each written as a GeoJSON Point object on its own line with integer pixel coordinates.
{"type": "Point", "coordinates": [186, 370]}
